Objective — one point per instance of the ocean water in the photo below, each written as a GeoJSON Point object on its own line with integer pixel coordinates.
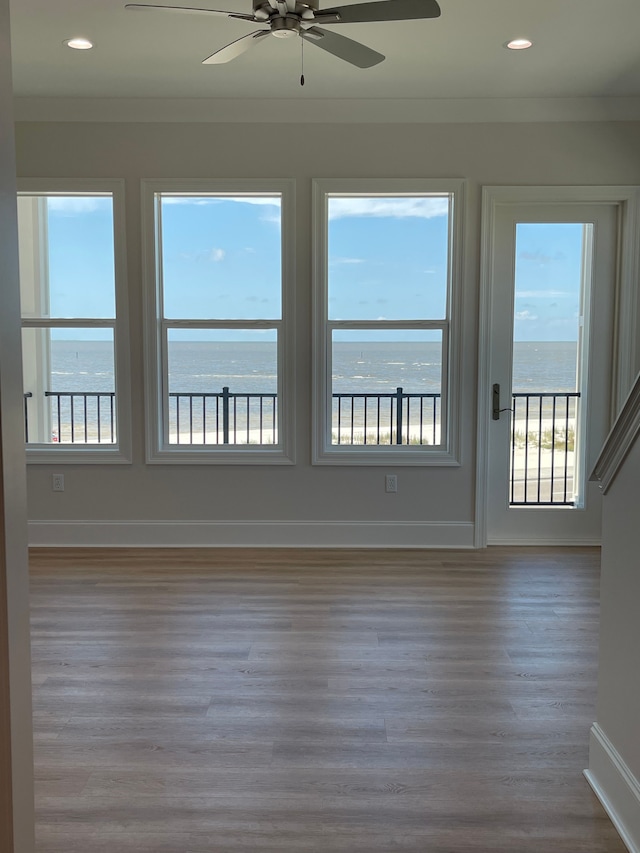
{"type": "Point", "coordinates": [197, 367]}
{"type": "Point", "coordinates": [545, 366]}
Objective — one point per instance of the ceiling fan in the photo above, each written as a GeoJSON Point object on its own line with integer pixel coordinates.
{"type": "Point", "coordinates": [288, 18]}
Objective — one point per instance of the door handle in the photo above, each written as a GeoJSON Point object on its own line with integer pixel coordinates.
{"type": "Point", "coordinates": [495, 399]}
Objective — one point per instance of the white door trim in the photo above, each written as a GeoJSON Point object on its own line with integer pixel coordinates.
{"type": "Point", "coordinates": [626, 320]}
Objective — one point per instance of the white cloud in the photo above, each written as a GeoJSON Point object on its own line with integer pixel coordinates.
{"type": "Point", "coordinates": [272, 216]}
{"type": "Point", "coordinates": [200, 200]}
{"type": "Point", "coordinates": [525, 315]}
{"type": "Point", "coordinates": [424, 207]}
{"type": "Point", "coordinates": [337, 261]}
{"type": "Point", "coordinates": [201, 255]}
{"type": "Point", "coordinates": [272, 204]}
{"type": "Point", "coordinates": [78, 204]}
{"type": "Point", "coordinates": [187, 199]}
{"type": "Point", "coordinates": [274, 201]}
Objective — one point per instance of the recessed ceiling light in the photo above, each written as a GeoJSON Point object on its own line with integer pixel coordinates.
{"type": "Point", "coordinates": [79, 43]}
{"type": "Point", "coordinates": [518, 44]}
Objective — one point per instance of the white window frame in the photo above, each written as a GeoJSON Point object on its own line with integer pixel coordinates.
{"type": "Point", "coordinates": [120, 451]}
{"type": "Point", "coordinates": [158, 449]}
{"type": "Point", "coordinates": [446, 454]}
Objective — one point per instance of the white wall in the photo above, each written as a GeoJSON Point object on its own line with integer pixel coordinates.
{"type": "Point", "coordinates": [434, 506]}
{"type": "Point", "coordinates": [13, 531]}
{"type": "Point", "coordinates": [614, 758]}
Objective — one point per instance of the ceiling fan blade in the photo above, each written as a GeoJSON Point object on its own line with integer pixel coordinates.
{"type": "Point", "coordinates": [379, 10]}
{"type": "Point", "coordinates": [231, 51]}
{"type": "Point", "coordinates": [144, 7]}
{"type": "Point", "coordinates": [344, 48]}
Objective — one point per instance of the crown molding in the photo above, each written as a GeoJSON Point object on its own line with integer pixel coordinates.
{"type": "Point", "coordinates": [327, 110]}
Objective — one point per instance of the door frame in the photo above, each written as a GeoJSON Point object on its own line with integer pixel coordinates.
{"type": "Point", "coordinates": [626, 354]}
{"type": "Point", "coordinates": [16, 750]}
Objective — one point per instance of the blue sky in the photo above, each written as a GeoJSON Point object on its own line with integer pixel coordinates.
{"type": "Point", "coordinates": [548, 279]}
{"type": "Point", "coordinates": [221, 258]}
{"type": "Point", "coordinates": [81, 265]}
{"type": "Point", "coordinates": [387, 260]}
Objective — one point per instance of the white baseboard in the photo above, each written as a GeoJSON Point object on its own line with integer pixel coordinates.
{"type": "Point", "coordinates": [615, 786]}
{"type": "Point", "coordinates": [548, 539]}
{"type": "Point", "coordinates": [276, 534]}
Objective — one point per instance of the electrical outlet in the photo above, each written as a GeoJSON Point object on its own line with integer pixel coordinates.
{"type": "Point", "coordinates": [391, 483]}
{"type": "Point", "coordinates": [57, 482]}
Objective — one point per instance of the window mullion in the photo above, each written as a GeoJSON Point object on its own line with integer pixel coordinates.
{"type": "Point", "coordinates": [221, 324]}
{"type": "Point", "coordinates": [68, 323]}
{"type": "Point", "coordinates": [390, 325]}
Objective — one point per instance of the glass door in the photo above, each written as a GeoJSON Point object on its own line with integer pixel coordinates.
{"type": "Point", "coordinates": [552, 300]}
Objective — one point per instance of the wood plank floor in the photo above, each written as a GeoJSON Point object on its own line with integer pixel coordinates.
{"type": "Point", "coordinates": [316, 701]}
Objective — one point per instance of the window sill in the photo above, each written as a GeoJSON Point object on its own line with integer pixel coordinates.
{"type": "Point", "coordinates": [212, 456]}
{"type": "Point", "coordinates": [68, 455]}
{"type": "Point", "coordinates": [400, 455]}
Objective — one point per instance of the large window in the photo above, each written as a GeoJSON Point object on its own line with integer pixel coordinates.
{"type": "Point", "coordinates": [386, 348]}
{"type": "Point", "coordinates": [73, 302]}
{"type": "Point", "coordinates": [219, 353]}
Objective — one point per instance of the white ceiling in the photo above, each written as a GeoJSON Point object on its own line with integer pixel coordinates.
{"type": "Point", "coordinates": [582, 48]}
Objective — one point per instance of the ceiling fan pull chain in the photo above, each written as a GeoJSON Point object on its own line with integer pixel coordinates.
{"type": "Point", "coordinates": [302, 63]}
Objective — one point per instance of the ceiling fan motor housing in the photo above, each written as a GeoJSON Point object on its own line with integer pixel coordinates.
{"type": "Point", "coordinates": [286, 27]}
{"type": "Point", "coordinates": [263, 9]}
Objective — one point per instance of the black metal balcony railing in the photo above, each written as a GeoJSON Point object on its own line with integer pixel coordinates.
{"type": "Point", "coordinates": [386, 419]}
{"type": "Point", "coordinates": [223, 418]}
{"type": "Point", "coordinates": [543, 433]}
{"type": "Point", "coordinates": [543, 440]}
{"type": "Point", "coordinates": [78, 418]}
{"type": "Point", "coordinates": [27, 397]}
{"type": "Point", "coordinates": [243, 418]}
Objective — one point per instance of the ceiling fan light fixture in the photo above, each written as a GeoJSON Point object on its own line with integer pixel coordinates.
{"type": "Point", "coordinates": [78, 43]}
{"type": "Point", "coordinates": [519, 44]}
